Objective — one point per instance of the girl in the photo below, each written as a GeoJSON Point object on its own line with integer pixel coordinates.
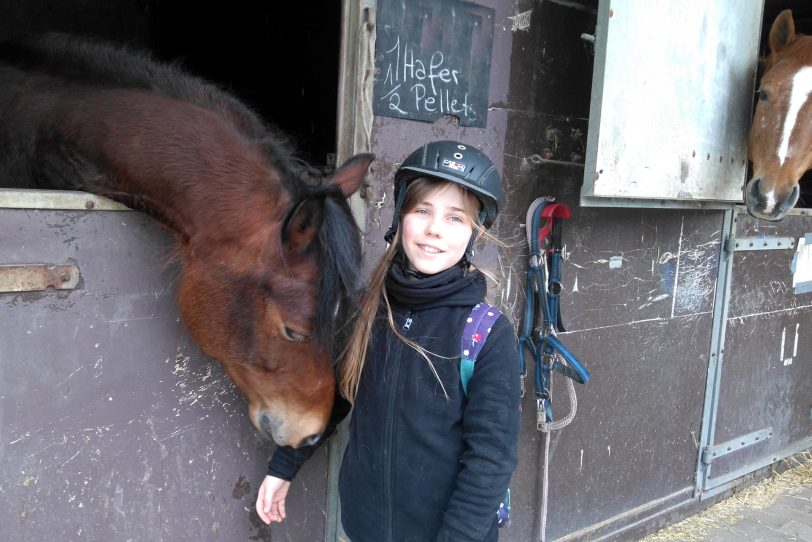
{"type": "Point", "coordinates": [425, 461]}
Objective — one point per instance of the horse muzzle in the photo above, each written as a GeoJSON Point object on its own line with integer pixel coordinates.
{"type": "Point", "coordinates": [769, 206]}
{"type": "Point", "coordinates": [286, 434]}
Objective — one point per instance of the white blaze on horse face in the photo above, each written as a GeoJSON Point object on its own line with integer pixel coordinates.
{"type": "Point", "coordinates": [801, 87]}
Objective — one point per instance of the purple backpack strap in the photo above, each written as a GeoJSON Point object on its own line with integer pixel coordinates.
{"type": "Point", "coordinates": [477, 328]}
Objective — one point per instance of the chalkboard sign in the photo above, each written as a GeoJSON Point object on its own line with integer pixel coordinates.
{"type": "Point", "coordinates": [433, 58]}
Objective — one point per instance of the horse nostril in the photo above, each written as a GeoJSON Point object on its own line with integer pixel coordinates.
{"type": "Point", "coordinates": [753, 189]}
{"type": "Point", "coordinates": [265, 424]}
{"type": "Point", "coordinates": [311, 440]}
{"type": "Point", "coordinates": [790, 201]}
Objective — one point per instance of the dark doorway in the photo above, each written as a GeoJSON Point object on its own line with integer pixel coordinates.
{"type": "Point", "coordinates": [279, 58]}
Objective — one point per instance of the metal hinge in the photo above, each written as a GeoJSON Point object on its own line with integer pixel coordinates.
{"type": "Point", "coordinates": [737, 244]}
{"type": "Point", "coordinates": [709, 453]}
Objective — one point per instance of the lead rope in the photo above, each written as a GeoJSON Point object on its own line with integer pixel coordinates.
{"type": "Point", "coordinates": [547, 428]}
{"type": "Point", "coordinates": [547, 357]}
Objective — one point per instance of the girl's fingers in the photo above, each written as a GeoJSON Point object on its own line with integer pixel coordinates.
{"type": "Point", "coordinates": [262, 512]}
{"type": "Point", "coordinates": [276, 514]}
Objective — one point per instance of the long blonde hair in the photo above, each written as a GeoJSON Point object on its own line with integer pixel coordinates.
{"type": "Point", "coordinates": [353, 359]}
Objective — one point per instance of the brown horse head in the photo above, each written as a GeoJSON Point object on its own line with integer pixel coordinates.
{"type": "Point", "coordinates": [269, 305]}
{"type": "Point", "coordinates": [270, 253]}
{"type": "Point", "coordinates": [780, 143]}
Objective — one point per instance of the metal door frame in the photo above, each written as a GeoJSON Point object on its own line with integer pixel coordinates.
{"type": "Point", "coordinates": [705, 487]}
{"type": "Point", "coordinates": [354, 126]}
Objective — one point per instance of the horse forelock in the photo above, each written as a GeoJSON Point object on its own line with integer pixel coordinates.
{"type": "Point", "coordinates": [339, 253]}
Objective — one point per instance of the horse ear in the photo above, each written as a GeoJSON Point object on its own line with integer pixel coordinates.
{"type": "Point", "coordinates": [350, 175]}
{"type": "Point", "coordinates": [302, 224]}
{"type": "Point", "coordinates": [782, 32]}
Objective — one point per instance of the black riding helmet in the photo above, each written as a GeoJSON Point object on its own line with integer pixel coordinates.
{"type": "Point", "coordinates": [458, 163]}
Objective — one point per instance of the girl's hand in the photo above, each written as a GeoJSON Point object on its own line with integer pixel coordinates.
{"type": "Point", "coordinates": [271, 499]}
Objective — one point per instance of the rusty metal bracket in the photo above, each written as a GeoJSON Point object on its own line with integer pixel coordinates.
{"type": "Point", "coordinates": [38, 277]}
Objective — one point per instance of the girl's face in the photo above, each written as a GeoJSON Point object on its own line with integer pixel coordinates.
{"type": "Point", "coordinates": [436, 231]}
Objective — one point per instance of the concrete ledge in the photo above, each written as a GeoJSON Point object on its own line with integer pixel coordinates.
{"type": "Point", "coordinates": [16, 198]}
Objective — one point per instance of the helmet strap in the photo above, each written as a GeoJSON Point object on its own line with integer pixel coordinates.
{"type": "Point", "coordinates": [469, 254]}
{"type": "Point", "coordinates": [390, 234]}
{"type": "Point", "coordinates": [467, 259]}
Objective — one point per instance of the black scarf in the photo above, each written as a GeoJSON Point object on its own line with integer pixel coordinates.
{"type": "Point", "coordinates": [450, 287]}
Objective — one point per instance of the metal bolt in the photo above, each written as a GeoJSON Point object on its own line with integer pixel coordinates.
{"type": "Point", "coordinates": [64, 277]}
{"type": "Point", "coordinates": [89, 204]}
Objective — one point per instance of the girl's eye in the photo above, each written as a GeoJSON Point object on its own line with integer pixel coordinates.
{"type": "Point", "coordinates": [456, 219]}
{"type": "Point", "coordinates": [294, 336]}
{"type": "Point", "coordinates": [421, 211]}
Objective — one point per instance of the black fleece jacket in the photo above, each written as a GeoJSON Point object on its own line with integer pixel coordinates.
{"type": "Point", "coordinates": [424, 462]}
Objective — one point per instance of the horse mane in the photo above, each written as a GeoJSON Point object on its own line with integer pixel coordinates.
{"type": "Point", "coordinates": [98, 64]}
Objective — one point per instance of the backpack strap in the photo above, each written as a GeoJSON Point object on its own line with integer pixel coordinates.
{"type": "Point", "coordinates": [477, 328]}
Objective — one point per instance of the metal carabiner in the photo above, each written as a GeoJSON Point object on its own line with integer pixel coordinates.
{"type": "Point", "coordinates": [544, 412]}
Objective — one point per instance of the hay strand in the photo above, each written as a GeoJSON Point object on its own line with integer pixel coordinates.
{"type": "Point", "coordinates": [734, 509]}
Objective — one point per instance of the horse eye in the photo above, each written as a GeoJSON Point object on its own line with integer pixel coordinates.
{"type": "Point", "coordinates": [763, 96]}
{"type": "Point", "coordinates": [294, 335]}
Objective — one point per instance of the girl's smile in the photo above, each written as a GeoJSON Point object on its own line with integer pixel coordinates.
{"type": "Point", "coordinates": [437, 230]}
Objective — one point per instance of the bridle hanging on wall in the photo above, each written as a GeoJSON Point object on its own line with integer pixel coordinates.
{"type": "Point", "coordinates": [543, 287]}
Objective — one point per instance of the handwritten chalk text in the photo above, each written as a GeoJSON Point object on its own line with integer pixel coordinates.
{"type": "Point", "coordinates": [415, 85]}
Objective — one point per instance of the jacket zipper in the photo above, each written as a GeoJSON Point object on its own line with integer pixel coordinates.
{"type": "Point", "coordinates": [390, 444]}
